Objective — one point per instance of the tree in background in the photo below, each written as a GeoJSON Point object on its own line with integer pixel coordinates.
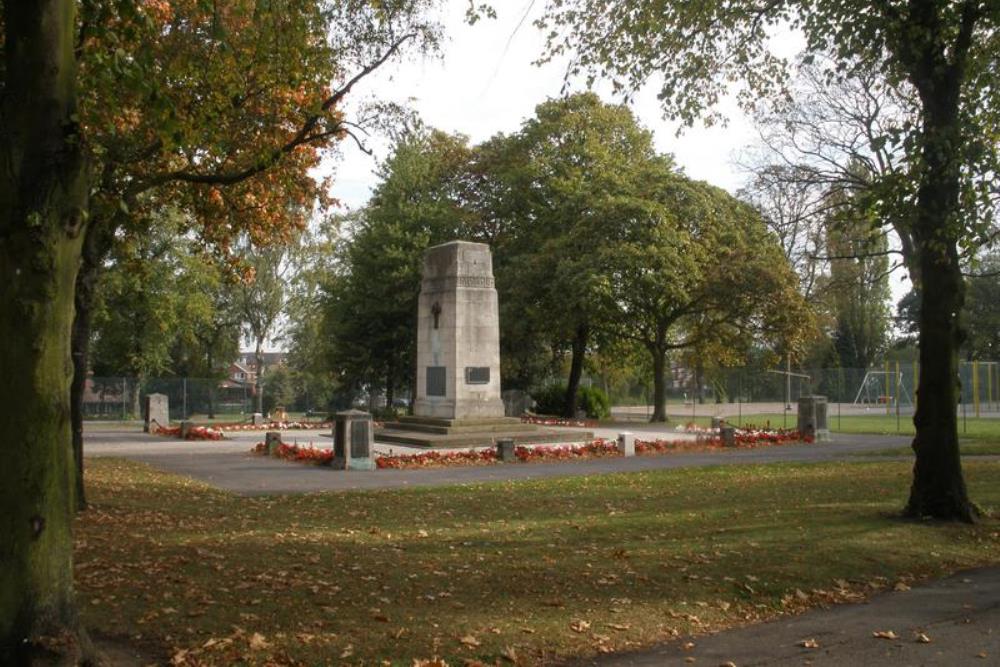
{"type": "Point", "coordinates": [982, 310]}
{"type": "Point", "coordinates": [224, 111]}
{"type": "Point", "coordinates": [372, 304]}
{"type": "Point", "coordinates": [701, 271]}
{"type": "Point", "coordinates": [261, 302]}
{"type": "Point", "coordinates": [857, 291]}
{"type": "Point", "coordinates": [948, 53]}
{"type": "Point", "coordinates": [576, 170]}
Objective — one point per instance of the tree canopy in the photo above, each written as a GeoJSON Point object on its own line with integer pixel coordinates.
{"type": "Point", "coordinates": [947, 51]}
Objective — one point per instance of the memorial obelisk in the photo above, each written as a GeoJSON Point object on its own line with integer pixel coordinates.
{"type": "Point", "coordinates": [458, 334]}
{"type": "Point", "coordinates": [458, 400]}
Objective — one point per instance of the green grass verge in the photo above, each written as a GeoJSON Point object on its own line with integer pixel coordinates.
{"type": "Point", "coordinates": [535, 571]}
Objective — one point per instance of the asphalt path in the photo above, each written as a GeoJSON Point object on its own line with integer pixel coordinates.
{"type": "Point", "coordinates": [228, 464]}
{"type": "Point", "coordinates": [959, 616]}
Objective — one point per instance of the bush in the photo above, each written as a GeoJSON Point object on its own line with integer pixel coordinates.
{"type": "Point", "coordinates": [594, 401]}
{"type": "Point", "coordinates": [550, 400]}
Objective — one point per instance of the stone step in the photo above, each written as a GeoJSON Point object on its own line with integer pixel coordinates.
{"type": "Point", "coordinates": [448, 430]}
{"type": "Point", "coordinates": [467, 421]}
{"type": "Point", "coordinates": [482, 439]}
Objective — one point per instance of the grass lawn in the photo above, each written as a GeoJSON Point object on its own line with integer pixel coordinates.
{"type": "Point", "coordinates": [881, 424]}
{"type": "Point", "coordinates": [525, 572]}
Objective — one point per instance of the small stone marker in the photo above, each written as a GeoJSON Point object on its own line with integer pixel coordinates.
{"type": "Point", "coordinates": [353, 441]}
{"type": "Point", "coordinates": [728, 435]}
{"type": "Point", "coordinates": [812, 418]}
{"type": "Point", "coordinates": [186, 427]}
{"type": "Point", "coordinates": [157, 412]}
{"type": "Point", "coordinates": [505, 450]}
{"type": "Point", "coordinates": [272, 440]}
{"type": "Point", "coordinates": [258, 419]}
{"type": "Point", "coordinates": [626, 443]}
{"type": "Point", "coordinates": [717, 422]}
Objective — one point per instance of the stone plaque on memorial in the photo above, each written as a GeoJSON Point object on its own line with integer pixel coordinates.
{"type": "Point", "coordinates": [477, 375]}
{"type": "Point", "coordinates": [437, 383]}
{"type": "Point", "coordinates": [352, 441]}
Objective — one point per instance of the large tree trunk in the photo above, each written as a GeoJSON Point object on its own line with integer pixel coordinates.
{"type": "Point", "coordinates": [659, 383]}
{"type": "Point", "coordinates": [43, 198]}
{"type": "Point", "coordinates": [579, 352]}
{"type": "Point", "coordinates": [938, 488]}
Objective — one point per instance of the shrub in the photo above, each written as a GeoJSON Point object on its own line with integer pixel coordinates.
{"type": "Point", "coordinates": [550, 400]}
{"type": "Point", "coordinates": [594, 401]}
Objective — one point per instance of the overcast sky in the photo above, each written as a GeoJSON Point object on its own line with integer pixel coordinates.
{"type": "Point", "coordinates": [484, 82]}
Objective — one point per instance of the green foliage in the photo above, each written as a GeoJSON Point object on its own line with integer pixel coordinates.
{"type": "Point", "coordinates": [371, 301]}
{"type": "Point", "coordinates": [551, 400]}
{"type": "Point", "coordinates": [982, 311]}
{"type": "Point", "coordinates": [594, 402]}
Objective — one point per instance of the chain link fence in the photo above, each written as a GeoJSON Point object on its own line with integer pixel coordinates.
{"type": "Point", "coordinates": [741, 393]}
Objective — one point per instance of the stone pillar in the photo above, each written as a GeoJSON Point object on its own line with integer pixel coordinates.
{"type": "Point", "coordinates": [186, 427]}
{"type": "Point", "coordinates": [812, 421]}
{"type": "Point", "coordinates": [353, 441]}
{"type": "Point", "coordinates": [157, 412]}
{"type": "Point", "coordinates": [458, 334]}
{"type": "Point", "coordinates": [258, 419]}
{"type": "Point", "coordinates": [728, 435]}
{"type": "Point", "coordinates": [505, 450]}
{"type": "Point", "coordinates": [626, 443]}
{"type": "Point", "coordinates": [271, 441]}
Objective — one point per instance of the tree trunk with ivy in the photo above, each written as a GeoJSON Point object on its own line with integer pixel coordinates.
{"type": "Point", "coordinates": [43, 197]}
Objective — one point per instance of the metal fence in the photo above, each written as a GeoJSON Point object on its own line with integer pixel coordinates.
{"type": "Point", "coordinates": [887, 389]}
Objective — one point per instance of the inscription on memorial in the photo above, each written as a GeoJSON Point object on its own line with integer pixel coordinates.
{"type": "Point", "coordinates": [437, 384]}
{"type": "Point", "coordinates": [477, 375]}
{"type": "Point", "coordinates": [360, 439]}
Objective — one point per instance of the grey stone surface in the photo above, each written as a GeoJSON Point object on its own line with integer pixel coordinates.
{"type": "Point", "coordinates": [728, 435]}
{"type": "Point", "coordinates": [626, 443]}
{"type": "Point", "coordinates": [505, 450]}
{"type": "Point", "coordinates": [458, 334]}
{"type": "Point", "coordinates": [353, 441]}
{"type": "Point", "coordinates": [812, 417]}
{"type": "Point", "coordinates": [272, 440]}
{"type": "Point", "coordinates": [257, 419]}
{"type": "Point", "coordinates": [157, 412]}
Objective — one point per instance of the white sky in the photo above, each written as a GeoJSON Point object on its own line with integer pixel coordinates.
{"type": "Point", "coordinates": [485, 83]}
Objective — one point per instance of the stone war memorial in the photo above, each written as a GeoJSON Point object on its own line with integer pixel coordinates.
{"type": "Point", "coordinates": [458, 400]}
